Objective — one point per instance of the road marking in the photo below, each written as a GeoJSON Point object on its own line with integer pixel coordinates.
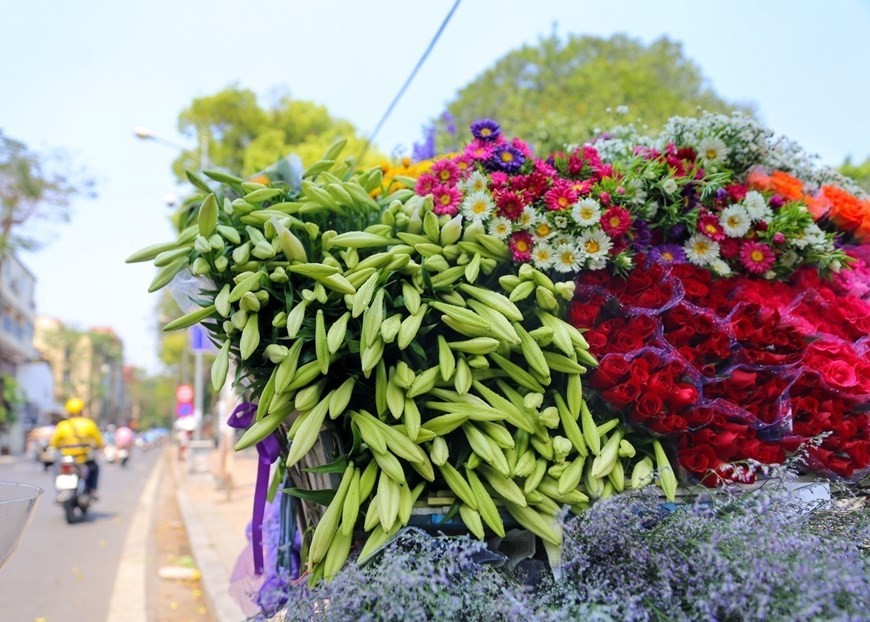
{"type": "Point", "coordinates": [128, 594]}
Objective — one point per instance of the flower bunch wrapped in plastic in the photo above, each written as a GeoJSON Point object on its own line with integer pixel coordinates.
{"type": "Point", "coordinates": [442, 367]}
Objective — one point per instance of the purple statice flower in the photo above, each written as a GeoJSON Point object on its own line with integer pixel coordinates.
{"type": "Point", "coordinates": [425, 150]}
{"type": "Point", "coordinates": [486, 130]}
{"type": "Point", "coordinates": [506, 158]}
{"type": "Point", "coordinates": [667, 253]}
{"type": "Point", "coordinates": [641, 235]}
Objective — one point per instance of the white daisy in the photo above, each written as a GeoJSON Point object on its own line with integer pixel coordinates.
{"type": "Point", "coordinates": [789, 258]}
{"type": "Point", "coordinates": [476, 182]}
{"type": "Point", "coordinates": [562, 238]}
{"type": "Point", "coordinates": [670, 186]}
{"type": "Point", "coordinates": [478, 206]}
{"type": "Point", "coordinates": [500, 227]}
{"type": "Point", "coordinates": [595, 244]}
{"type": "Point", "coordinates": [586, 212]}
{"type": "Point", "coordinates": [527, 218]}
{"type": "Point", "coordinates": [756, 206]}
{"type": "Point", "coordinates": [735, 221]}
{"type": "Point", "coordinates": [596, 264]}
{"type": "Point", "coordinates": [560, 222]}
{"type": "Point", "coordinates": [701, 250]}
{"type": "Point", "coordinates": [567, 258]}
{"type": "Point", "coordinates": [801, 239]}
{"type": "Point", "coordinates": [542, 230]}
{"type": "Point", "coordinates": [712, 149]}
{"type": "Point", "coordinates": [720, 267]}
{"type": "Point", "coordinates": [543, 256]}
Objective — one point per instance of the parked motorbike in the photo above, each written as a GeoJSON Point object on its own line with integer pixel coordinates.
{"type": "Point", "coordinates": [69, 487]}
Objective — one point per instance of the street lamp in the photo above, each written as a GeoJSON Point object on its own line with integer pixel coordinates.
{"type": "Point", "coordinates": [145, 134]}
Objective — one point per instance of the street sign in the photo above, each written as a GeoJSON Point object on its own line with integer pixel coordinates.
{"type": "Point", "coordinates": [184, 393]}
{"type": "Point", "coordinates": [183, 409]}
{"type": "Point", "coordinates": [199, 340]}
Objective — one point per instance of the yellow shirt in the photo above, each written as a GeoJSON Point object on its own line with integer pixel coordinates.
{"type": "Point", "coordinates": [77, 436]}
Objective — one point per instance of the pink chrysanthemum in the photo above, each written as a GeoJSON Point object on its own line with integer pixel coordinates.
{"type": "Point", "coordinates": [521, 246]}
{"type": "Point", "coordinates": [510, 205]}
{"type": "Point", "coordinates": [561, 196]}
{"type": "Point", "coordinates": [756, 257]}
{"type": "Point", "coordinates": [425, 184]}
{"type": "Point", "coordinates": [446, 171]}
{"type": "Point", "coordinates": [709, 225]}
{"type": "Point", "coordinates": [479, 150]}
{"type": "Point", "coordinates": [498, 180]}
{"type": "Point", "coordinates": [616, 221]}
{"type": "Point", "coordinates": [522, 146]}
{"type": "Point", "coordinates": [447, 199]}
{"type": "Point", "coordinates": [463, 164]}
{"type": "Point", "coordinates": [545, 168]}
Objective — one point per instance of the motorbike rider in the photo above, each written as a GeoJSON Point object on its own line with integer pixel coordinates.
{"type": "Point", "coordinates": [78, 436]}
{"type": "Point", "coordinates": [124, 437]}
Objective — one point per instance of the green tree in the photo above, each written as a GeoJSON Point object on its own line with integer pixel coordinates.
{"type": "Point", "coordinates": [859, 172]}
{"type": "Point", "coordinates": [152, 399]}
{"type": "Point", "coordinates": [12, 398]}
{"type": "Point", "coordinates": [33, 186]}
{"type": "Point", "coordinates": [559, 92]}
{"type": "Point", "coordinates": [244, 137]}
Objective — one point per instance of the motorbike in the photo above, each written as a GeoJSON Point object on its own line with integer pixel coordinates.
{"type": "Point", "coordinates": [123, 455]}
{"type": "Point", "coordinates": [69, 487]}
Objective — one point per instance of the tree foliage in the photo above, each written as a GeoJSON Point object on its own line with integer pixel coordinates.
{"type": "Point", "coordinates": [858, 172]}
{"type": "Point", "coordinates": [559, 92]}
{"type": "Point", "coordinates": [33, 186]}
{"type": "Point", "coordinates": [244, 137]}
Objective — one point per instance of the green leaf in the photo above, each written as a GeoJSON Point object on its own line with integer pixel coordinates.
{"type": "Point", "coordinates": [197, 181]}
{"type": "Point", "coordinates": [338, 466]}
{"type": "Point", "coordinates": [223, 178]}
{"type": "Point", "coordinates": [322, 497]}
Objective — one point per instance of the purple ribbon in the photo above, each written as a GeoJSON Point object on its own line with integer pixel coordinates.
{"type": "Point", "coordinates": [269, 450]}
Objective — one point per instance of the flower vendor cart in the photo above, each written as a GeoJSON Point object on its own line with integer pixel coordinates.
{"type": "Point", "coordinates": [493, 337]}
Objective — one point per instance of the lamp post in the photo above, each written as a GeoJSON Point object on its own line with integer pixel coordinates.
{"type": "Point", "coordinates": [198, 348]}
{"type": "Point", "coordinates": [145, 134]}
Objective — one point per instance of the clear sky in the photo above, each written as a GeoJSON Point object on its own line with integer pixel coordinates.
{"type": "Point", "coordinates": [80, 75]}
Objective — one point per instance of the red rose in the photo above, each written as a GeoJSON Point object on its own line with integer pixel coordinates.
{"type": "Point", "coordinates": [660, 384]}
{"type": "Point", "coordinates": [695, 289]}
{"type": "Point", "coordinates": [648, 406]}
{"type": "Point", "coordinates": [699, 416]}
{"type": "Point", "coordinates": [597, 342]}
{"type": "Point", "coordinates": [698, 459]}
{"type": "Point", "coordinates": [643, 326]}
{"type": "Point", "coordinates": [683, 395]}
{"type": "Point", "coordinates": [839, 374]}
{"type": "Point", "coordinates": [671, 424]}
{"type": "Point", "coordinates": [611, 371]}
{"type": "Point", "coordinates": [622, 395]}
{"type": "Point", "coordinates": [583, 315]}
{"type": "Point", "coordinates": [859, 451]}
{"type": "Point", "coordinates": [626, 341]}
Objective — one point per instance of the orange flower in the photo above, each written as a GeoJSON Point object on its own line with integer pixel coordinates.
{"type": "Point", "coordinates": [847, 211]}
{"type": "Point", "coordinates": [259, 179]}
{"type": "Point", "coordinates": [788, 187]}
{"type": "Point", "coordinates": [758, 179]}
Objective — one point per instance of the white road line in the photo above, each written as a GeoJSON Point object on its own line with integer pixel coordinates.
{"type": "Point", "coordinates": [128, 594]}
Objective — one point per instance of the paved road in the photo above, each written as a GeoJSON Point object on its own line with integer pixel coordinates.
{"type": "Point", "coordinates": [65, 573]}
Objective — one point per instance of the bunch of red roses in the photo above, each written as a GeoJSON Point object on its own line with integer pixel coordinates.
{"type": "Point", "coordinates": [734, 370]}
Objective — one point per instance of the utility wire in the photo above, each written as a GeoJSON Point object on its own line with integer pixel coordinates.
{"type": "Point", "coordinates": [407, 82]}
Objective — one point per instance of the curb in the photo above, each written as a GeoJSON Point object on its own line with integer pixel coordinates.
{"type": "Point", "coordinates": [129, 597]}
{"type": "Point", "coordinates": [215, 577]}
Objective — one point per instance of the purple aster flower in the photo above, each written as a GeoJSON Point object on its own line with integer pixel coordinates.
{"type": "Point", "coordinates": [641, 235]}
{"type": "Point", "coordinates": [678, 232]}
{"type": "Point", "coordinates": [667, 253]}
{"type": "Point", "coordinates": [486, 130]}
{"type": "Point", "coordinates": [721, 194]}
{"type": "Point", "coordinates": [506, 158]}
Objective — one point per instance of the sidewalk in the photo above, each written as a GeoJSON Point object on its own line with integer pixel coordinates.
{"type": "Point", "coordinates": [216, 520]}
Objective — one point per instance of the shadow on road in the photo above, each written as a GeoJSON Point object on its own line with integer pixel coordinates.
{"type": "Point", "coordinates": [92, 517]}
